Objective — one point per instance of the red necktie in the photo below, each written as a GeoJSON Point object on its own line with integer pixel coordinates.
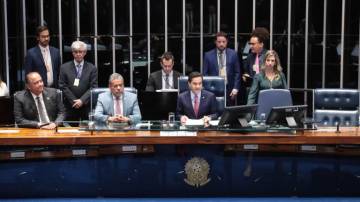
{"type": "Point", "coordinates": [196, 105]}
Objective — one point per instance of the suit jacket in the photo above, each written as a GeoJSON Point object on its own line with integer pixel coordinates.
{"type": "Point", "coordinates": [250, 61]}
{"type": "Point", "coordinates": [88, 80]}
{"type": "Point", "coordinates": [105, 107]}
{"type": "Point", "coordinates": [233, 72]}
{"type": "Point", "coordinates": [26, 113]}
{"type": "Point", "coordinates": [34, 62]}
{"type": "Point", "coordinates": [155, 80]}
{"type": "Point", "coordinates": [207, 105]}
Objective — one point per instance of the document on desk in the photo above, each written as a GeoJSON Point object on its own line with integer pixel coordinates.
{"type": "Point", "coordinates": [9, 131]}
{"type": "Point", "coordinates": [70, 131]}
{"type": "Point", "coordinates": [177, 133]}
{"type": "Point", "coordinates": [194, 122]}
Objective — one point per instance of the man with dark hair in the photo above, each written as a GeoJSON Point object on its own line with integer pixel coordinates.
{"type": "Point", "coordinates": [253, 62]}
{"type": "Point", "coordinates": [196, 103]}
{"type": "Point", "coordinates": [166, 78]}
{"type": "Point", "coordinates": [224, 62]}
{"type": "Point", "coordinates": [38, 106]}
{"type": "Point", "coordinates": [43, 58]}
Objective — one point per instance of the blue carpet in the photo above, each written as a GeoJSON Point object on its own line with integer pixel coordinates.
{"type": "Point", "coordinates": [320, 199]}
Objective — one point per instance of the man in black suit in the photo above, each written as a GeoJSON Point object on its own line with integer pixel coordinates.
{"type": "Point", "coordinates": [196, 103]}
{"type": "Point", "coordinates": [44, 59]}
{"type": "Point", "coordinates": [167, 78]}
{"type": "Point", "coordinates": [38, 107]}
{"type": "Point", "coordinates": [77, 77]}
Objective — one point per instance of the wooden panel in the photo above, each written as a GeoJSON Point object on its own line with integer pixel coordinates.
{"type": "Point", "coordinates": [72, 137]}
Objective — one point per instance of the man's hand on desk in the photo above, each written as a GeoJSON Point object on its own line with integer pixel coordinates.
{"type": "Point", "coordinates": [118, 118]}
{"type": "Point", "coordinates": [49, 126]}
{"type": "Point", "coordinates": [206, 119]}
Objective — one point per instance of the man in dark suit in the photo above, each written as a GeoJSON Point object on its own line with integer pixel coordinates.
{"type": "Point", "coordinates": [255, 58]}
{"type": "Point", "coordinates": [196, 103]}
{"type": "Point", "coordinates": [38, 107]}
{"type": "Point", "coordinates": [167, 78]}
{"type": "Point", "coordinates": [77, 77]}
{"type": "Point", "coordinates": [44, 59]}
{"type": "Point", "coordinates": [224, 62]}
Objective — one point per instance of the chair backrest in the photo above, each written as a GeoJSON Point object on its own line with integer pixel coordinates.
{"type": "Point", "coordinates": [270, 98]}
{"type": "Point", "coordinates": [95, 92]}
{"type": "Point", "coordinates": [214, 84]}
{"type": "Point", "coordinates": [336, 106]}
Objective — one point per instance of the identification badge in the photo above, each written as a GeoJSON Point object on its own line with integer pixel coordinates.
{"type": "Point", "coordinates": [76, 82]}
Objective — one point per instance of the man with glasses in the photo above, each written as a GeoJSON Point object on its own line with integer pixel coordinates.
{"type": "Point", "coordinates": [255, 58]}
{"type": "Point", "coordinates": [77, 77]}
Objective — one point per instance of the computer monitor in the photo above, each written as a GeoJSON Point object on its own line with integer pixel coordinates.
{"type": "Point", "coordinates": [291, 116]}
{"type": "Point", "coordinates": [237, 116]}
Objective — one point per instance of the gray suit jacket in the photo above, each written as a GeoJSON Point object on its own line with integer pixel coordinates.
{"type": "Point", "coordinates": [25, 111]}
{"type": "Point", "coordinates": [105, 107]}
{"type": "Point", "coordinates": [155, 80]}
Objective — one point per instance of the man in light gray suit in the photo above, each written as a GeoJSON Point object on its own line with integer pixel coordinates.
{"type": "Point", "coordinates": [38, 107]}
{"type": "Point", "coordinates": [117, 105]}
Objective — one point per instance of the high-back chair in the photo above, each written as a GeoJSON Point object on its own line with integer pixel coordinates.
{"type": "Point", "coordinates": [95, 92]}
{"type": "Point", "coordinates": [214, 84]}
{"type": "Point", "coordinates": [270, 98]}
{"type": "Point", "coordinates": [336, 106]}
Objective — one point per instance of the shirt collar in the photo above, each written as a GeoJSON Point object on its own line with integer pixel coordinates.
{"type": "Point", "coordinates": [44, 48]}
{"type": "Point", "coordinates": [193, 95]}
{"type": "Point", "coordinates": [164, 74]}
{"type": "Point", "coordinates": [35, 96]}
{"type": "Point", "coordinates": [114, 97]}
{"type": "Point", "coordinates": [81, 63]}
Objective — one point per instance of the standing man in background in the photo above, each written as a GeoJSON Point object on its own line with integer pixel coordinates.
{"type": "Point", "coordinates": [77, 78]}
{"type": "Point", "coordinates": [167, 78]}
{"type": "Point", "coordinates": [44, 59]}
{"type": "Point", "coordinates": [253, 62]}
{"type": "Point", "coordinates": [224, 62]}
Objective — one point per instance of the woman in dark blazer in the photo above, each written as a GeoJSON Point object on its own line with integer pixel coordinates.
{"type": "Point", "coordinates": [270, 77]}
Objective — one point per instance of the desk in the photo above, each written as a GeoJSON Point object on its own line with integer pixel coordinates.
{"type": "Point", "coordinates": [65, 136]}
{"type": "Point", "coordinates": [161, 171]}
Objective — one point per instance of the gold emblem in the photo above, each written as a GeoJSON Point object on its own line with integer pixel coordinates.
{"type": "Point", "coordinates": [197, 170]}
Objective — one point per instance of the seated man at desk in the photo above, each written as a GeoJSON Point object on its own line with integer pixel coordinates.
{"type": "Point", "coordinates": [196, 103]}
{"type": "Point", "coordinates": [167, 78]}
{"type": "Point", "coordinates": [37, 106]}
{"type": "Point", "coordinates": [117, 105]}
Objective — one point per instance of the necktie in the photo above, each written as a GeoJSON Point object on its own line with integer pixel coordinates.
{"type": "Point", "coordinates": [118, 106]}
{"type": "Point", "coordinates": [167, 84]}
{"type": "Point", "coordinates": [78, 71]}
{"type": "Point", "coordinates": [257, 64]}
{"type": "Point", "coordinates": [196, 105]}
{"type": "Point", "coordinates": [221, 59]}
{"type": "Point", "coordinates": [42, 113]}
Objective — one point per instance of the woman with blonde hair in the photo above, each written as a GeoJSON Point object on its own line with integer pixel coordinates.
{"type": "Point", "coordinates": [4, 91]}
{"type": "Point", "coordinates": [270, 77]}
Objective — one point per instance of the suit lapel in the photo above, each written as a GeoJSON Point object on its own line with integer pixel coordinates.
{"type": "Point", "coordinates": [38, 52]}
{"type": "Point", "coordinates": [32, 104]}
{"type": "Point", "coordinates": [47, 100]}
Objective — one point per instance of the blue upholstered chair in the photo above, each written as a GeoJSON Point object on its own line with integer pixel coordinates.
{"type": "Point", "coordinates": [95, 92]}
{"type": "Point", "coordinates": [336, 106]}
{"type": "Point", "coordinates": [270, 98]}
{"type": "Point", "coordinates": [213, 84]}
